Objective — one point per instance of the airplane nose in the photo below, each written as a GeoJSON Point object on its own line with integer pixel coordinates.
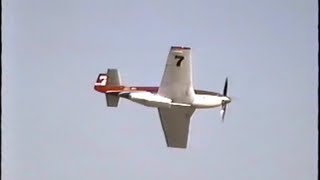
{"type": "Point", "coordinates": [228, 100]}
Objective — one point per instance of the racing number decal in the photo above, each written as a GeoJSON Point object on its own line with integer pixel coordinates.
{"type": "Point", "coordinates": [102, 80]}
{"type": "Point", "coordinates": [180, 59]}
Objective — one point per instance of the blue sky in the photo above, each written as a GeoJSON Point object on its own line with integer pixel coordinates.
{"type": "Point", "coordinates": [55, 126]}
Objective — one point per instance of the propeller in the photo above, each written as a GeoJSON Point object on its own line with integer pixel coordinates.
{"type": "Point", "coordinates": [224, 102]}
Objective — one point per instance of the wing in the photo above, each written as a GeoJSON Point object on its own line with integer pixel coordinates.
{"type": "Point", "coordinates": [176, 82]}
{"type": "Point", "coordinates": [175, 124]}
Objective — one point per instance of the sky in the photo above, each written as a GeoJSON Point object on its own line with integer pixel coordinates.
{"type": "Point", "coordinates": [55, 126]}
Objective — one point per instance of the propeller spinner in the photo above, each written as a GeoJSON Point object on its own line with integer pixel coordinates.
{"type": "Point", "coordinates": [224, 102]}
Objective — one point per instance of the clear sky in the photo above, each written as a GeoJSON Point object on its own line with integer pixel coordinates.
{"type": "Point", "coordinates": [55, 126]}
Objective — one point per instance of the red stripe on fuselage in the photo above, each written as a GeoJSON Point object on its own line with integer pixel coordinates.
{"type": "Point", "coordinates": [152, 89]}
{"type": "Point", "coordinates": [119, 89]}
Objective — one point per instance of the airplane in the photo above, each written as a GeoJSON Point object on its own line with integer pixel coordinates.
{"type": "Point", "coordinates": [175, 98]}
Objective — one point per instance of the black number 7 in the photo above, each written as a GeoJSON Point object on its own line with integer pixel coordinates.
{"type": "Point", "coordinates": [181, 58]}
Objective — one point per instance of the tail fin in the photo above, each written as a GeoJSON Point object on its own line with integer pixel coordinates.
{"type": "Point", "coordinates": [109, 79]}
{"type": "Point", "coordinates": [114, 79]}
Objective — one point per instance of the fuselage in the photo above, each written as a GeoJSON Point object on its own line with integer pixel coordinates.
{"type": "Point", "coordinates": [148, 96]}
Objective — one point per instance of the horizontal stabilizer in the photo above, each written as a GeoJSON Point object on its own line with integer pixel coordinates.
{"type": "Point", "coordinates": [112, 100]}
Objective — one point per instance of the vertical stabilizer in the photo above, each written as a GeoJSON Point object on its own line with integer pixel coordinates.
{"type": "Point", "coordinates": [114, 79]}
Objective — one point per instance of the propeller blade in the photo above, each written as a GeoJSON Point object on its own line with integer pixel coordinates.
{"type": "Point", "coordinates": [223, 103]}
{"type": "Point", "coordinates": [225, 89]}
{"type": "Point", "coordinates": [222, 113]}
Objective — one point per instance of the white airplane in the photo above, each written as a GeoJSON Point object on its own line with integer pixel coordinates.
{"type": "Point", "coordinates": [176, 99]}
